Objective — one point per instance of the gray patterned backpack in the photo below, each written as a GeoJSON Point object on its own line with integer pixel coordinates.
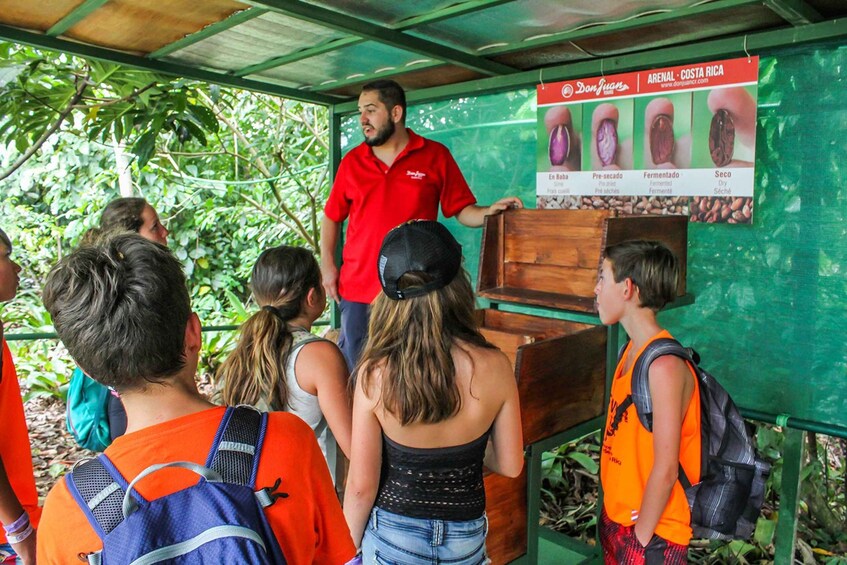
{"type": "Point", "coordinates": [726, 501]}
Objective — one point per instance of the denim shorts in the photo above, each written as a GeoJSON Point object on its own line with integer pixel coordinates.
{"type": "Point", "coordinates": [391, 539]}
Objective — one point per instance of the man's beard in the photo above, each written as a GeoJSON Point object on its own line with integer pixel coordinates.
{"type": "Point", "coordinates": [382, 135]}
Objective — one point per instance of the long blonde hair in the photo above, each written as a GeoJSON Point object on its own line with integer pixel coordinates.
{"type": "Point", "coordinates": [410, 343]}
{"type": "Point", "coordinates": [255, 370]}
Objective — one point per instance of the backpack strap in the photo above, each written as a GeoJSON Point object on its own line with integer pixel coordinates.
{"type": "Point", "coordinates": [98, 488]}
{"type": "Point", "coordinates": [238, 445]}
{"type": "Point", "coordinates": [640, 395]}
{"type": "Point", "coordinates": [237, 448]}
{"type": "Point", "coordinates": [641, 378]}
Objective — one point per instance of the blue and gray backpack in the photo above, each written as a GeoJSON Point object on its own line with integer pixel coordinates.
{"type": "Point", "coordinates": [726, 500]}
{"type": "Point", "coordinates": [220, 519]}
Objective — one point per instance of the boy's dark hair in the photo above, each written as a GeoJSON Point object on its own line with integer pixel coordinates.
{"type": "Point", "coordinates": [4, 239]}
{"type": "Point", "coordinates": [121, 307]}
{"type": "Point", "coordinates": [653, 268]}
{"type": "Point", "coordinates": [390, 93]}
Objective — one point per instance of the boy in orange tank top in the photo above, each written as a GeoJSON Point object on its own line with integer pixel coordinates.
{"type": "Point", "coordinates": [646, 518]}
{"type": "Point", "coordinates": [19, 511]}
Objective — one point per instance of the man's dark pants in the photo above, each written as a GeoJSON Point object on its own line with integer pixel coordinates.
{"type": "Point", "coordinates": [354, 330]}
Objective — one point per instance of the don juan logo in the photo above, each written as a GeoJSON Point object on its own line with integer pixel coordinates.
{"type": "Point", "coordinates": [600, 88]}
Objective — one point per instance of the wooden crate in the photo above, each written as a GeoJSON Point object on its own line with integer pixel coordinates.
{"type": "Point", "coordinates": [507, 517]}
{"type": "Point", "coordinates": [551, 257]}
{"type": "Point", "coordinates": [560, 367]}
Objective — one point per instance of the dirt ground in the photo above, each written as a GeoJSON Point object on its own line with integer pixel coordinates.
{"type": "Point", "coordinates": [54, 451]}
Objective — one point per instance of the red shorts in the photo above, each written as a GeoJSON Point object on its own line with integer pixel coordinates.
{"type": "Point", "coordinates": [621, 546]}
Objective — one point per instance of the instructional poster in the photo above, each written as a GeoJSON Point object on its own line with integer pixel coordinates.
{"type": "Point", "coordinates": [674, 140]}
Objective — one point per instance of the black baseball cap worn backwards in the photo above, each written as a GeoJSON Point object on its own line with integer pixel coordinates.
{"type": "Point", "coordinates": [422, 246]}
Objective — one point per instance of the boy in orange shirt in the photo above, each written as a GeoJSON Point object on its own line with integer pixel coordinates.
{"type": "Point", "coordinates": [646, 518]}
{"type": "Point", "coordinates": [19, 509]}
{"type": "Point", "coordinates": [121, 307]}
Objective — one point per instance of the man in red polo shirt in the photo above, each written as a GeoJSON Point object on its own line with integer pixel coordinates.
{"type": "Point", "coordinates": [393, 177]}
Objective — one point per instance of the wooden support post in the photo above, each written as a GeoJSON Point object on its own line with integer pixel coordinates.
{"type": "Point", "coordinates": [789, 496]}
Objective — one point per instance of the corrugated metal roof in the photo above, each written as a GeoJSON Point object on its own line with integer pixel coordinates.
{"type": "Point", "coordinates": [324, 50]}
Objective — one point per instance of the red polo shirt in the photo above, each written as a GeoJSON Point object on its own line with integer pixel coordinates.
{"type": "Point", "coordinates": [377, 198]}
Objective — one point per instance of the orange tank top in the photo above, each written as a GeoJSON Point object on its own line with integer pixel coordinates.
{"type": "Point", "coordinates": [14, 441]}
{"type": "Point", "coordinates": [626, 460]}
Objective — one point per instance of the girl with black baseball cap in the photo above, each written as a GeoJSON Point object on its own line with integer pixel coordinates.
{"type": "Point", "coordinates": [433, 401]}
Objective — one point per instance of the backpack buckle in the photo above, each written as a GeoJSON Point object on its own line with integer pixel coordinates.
{"type": "Point", "coordinates": [268, 495]}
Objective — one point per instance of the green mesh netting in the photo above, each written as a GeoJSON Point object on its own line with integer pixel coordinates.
{"type": "Point", "coordinates": [771, 299]}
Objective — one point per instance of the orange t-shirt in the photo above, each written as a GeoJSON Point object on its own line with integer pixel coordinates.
{"type": "Point", "coordinates": [309, 523]}
{"type": "Point", "coordinates": [14, 441]}
{"type": "Point", "coordinates": [627, 460]}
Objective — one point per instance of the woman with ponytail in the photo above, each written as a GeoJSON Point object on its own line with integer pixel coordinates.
{"type": "Point", "coordinates": [278, 364]}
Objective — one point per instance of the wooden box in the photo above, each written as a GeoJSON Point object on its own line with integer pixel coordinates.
{"type": "Point", "coordinates": [506, 507]}
{"type": "Point", "coordinates": [560, 367]}
{"type": "Point", "coordinates": [551, 257]}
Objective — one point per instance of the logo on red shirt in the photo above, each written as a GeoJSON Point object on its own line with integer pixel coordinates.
{"type": "Point", "coordinates": [415, 175]}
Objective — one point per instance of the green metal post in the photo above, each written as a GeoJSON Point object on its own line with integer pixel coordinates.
{"type": "Point", "coordinates": [614, 336]}
{"type": "Point", "coordinates": [533, 501]}
{"type": "Point", "coordinates": [789, 495]}
{"type": "Point", "coordinates": [334, 161]}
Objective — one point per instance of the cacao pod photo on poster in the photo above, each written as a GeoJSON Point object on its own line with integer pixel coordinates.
{"type": "Point", "coordinates": [609, 127]}
{"type": "Point", "coordinates": [663, 127]}
{"type": "Point", "coordinates": [560, 138]}
{"type": "Point", "coordinates": [724, 127]}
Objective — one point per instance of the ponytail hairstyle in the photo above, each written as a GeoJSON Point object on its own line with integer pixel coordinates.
{"type": "Point", "coordinates": [410, 343]}
{"type": "Point", "coordinates": [121, 214]}
{"type": "Point", "coordinates": [255, 371]}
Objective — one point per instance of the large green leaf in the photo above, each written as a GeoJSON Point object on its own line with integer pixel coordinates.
{"type": "Point", "coordinates": [144, 147]}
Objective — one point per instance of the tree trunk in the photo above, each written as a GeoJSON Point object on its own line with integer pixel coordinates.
{"type": "Point", "coordinates": [124, 174]}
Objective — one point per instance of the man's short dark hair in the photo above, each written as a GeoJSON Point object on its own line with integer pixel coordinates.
{"type": "Point", "coordinates": [121, 307]}
{"type": "Point", "coordinates": [651, 266]}
{"type": "Point", "coordinates": [390, 93]}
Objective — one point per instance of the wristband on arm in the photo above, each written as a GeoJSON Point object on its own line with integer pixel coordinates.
{"type": "Point", "coordinates": [19, 524]}
{"type": "Point", "coordinates": [18, 538]}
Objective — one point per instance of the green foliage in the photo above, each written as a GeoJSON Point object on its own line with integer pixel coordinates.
{"type": "Point", "coordinates": [230, 173]}
{"type": "Point", "coordinates": [569, 487]}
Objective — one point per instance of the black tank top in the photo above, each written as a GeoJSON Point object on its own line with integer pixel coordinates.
{"type": "Point", "coordinates": [442, 483]}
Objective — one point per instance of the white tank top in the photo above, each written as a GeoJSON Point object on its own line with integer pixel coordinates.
{"type": "Point", "coordinates": [305, 405]}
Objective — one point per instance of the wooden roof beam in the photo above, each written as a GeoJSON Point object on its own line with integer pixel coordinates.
{"type": "Point", "coordinates": [795, 12]}
{"type": "Point", "coordinates": [87, 51]}
{"type": "Point", "coordinates": [75, 16]}
{"type": "Point", "coordinates": [208, 31]}
{"type": "Point", "coordinates": [380, 34]}
{"type": "Point", "coordinates": [431, 17]}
